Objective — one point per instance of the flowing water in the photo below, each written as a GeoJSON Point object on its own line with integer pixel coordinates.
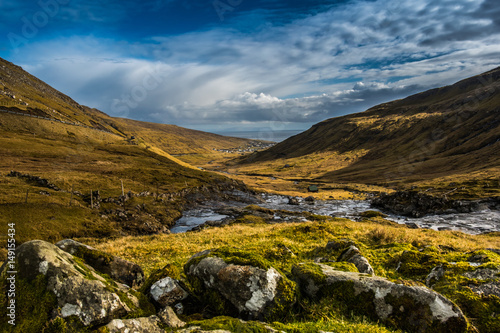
{"type": "Point", "coordinates": [472, 223]}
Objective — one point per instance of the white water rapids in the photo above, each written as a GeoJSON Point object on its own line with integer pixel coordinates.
{"type": "Point", "coordinates": [471, 223]}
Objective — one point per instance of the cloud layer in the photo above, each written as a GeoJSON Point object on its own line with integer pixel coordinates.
{"type": "Point", "coordinates": [260, 67]}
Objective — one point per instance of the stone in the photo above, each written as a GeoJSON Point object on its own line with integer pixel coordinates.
{"type": "Point", "coordinates": [169, 318]}
{"type": "Point", "coordinates": [79, 290]}
{"type": "Point", "coordinates": [167, 291]}
{"type": "Point", "coordinates": [117, 268]}
{"type": "Point", "coordinates": [310, 199]}
{"type": "Point", "coordinates": [293, 201]}
{"type": "Point", "coordinates": [137, 325]}
{"type": "Point", "coordinates": [410, 308]}
{"type": "Point", "coordinates": [244, 290]}
{"type": "Point", "coordinates": [353, 255]}
{"type": "Point", "coordinates": [434, 276]}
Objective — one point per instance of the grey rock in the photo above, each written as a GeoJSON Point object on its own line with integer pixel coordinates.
{"type": "Point", "coordinates": [252, 291]}
{"type": "Point", "coordinates": [416, 309]}
{"type": "Point", "coordinates": [434, 276]}
{"type": "Point", "coordinates": [483, 274]}
{"type": "Point", "coordinates": [353, 255]}
{"type": "Point", "coordinates": [169, 318]}
{"type": "Point", "coordinates": [167, 291]}
{"type": "Point", "coordinates": [117, 268]}
{"type": "Point", "coordinates": [487, 289]}
{"type": "Point", "coordinates": [137, 325]}
{"type": "Point", "coordinates": [79, 290]}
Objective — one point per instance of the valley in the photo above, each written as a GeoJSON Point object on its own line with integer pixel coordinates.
{"type": "Point", "coordinates": [410, 189]}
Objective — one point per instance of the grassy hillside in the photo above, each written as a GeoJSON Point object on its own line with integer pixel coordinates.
{"type": "Point", "coordinates": [443, 135]}
{"type": "Point", "coordinates": [54, 153]}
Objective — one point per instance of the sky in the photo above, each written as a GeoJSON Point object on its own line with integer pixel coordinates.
{"type": "Point", "coordinates": [229, 65]}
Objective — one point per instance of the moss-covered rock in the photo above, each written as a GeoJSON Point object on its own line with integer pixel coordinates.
{"type": "Point", "coordinates": [411, 308]}
{"type": "Point", "coordinates": [56, 284]}
{"type": "Point", "coordinates": [239, 283]}
{"type": "Point", "coordinates": [475, 290]}
{"type": "Point", "coordinates": [117, 268]}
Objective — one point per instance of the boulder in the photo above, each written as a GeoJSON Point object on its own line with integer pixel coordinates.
{"type": "Point", "coordinates": [167, 291]}
{"type": "Point", "coordinates": [137, 325]}
{"type": "Point", "coordinates": [118, 269]}
{"type": "Point", "coordinates": [293, 201]}
{"type": "Point", "coordinates": [410, 308]}
{"type": "Point", "coordinates": [78, 289]}
{"type": "Point", "coordinates": [353, 256]}
{"type": "Point", "coordinates": [242, 284]}
{"type": "Point", "coordinates": [169, 318]}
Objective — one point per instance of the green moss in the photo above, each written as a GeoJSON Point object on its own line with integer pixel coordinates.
{"type": "Point", "coordinates": [481, 310]}
{"type": "Point", "coordinates": [343, 266]}
{"type": "Point", "coordinates": [57, 325]}
{"type": "Point", "coordinates": [312, 271]}
{"type": "Point", "coordinates": [415, 264]}
{"type": "Point", "coordinates": [81, 267]}
{"type": "Point", "coordinates": [232, 255]}
{"type": "Point", "coordinates": [34, 305]}
{"type": "Point", "coordinates": [93, 256]}
{"type": "Point", "coordinates": [231, 324]}
{"type": "Point", "coordinates": [145, 308]}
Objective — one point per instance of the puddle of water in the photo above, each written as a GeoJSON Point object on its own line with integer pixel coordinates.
{"type": "Point", "coordinates": [472, 223]}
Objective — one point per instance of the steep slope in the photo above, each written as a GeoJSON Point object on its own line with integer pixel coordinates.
{"type": "Point", "coordinates": [70, 171]}
{"type": "Point", "coordinates": [453, 130]}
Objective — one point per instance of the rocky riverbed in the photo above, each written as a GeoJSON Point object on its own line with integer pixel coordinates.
{"type": "Point", "coordinates": [484, 219]}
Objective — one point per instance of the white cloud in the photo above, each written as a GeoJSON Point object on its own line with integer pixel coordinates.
{"type": "Point", "coordinates": [339, 61]}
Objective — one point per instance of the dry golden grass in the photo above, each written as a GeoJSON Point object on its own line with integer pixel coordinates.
{"type": "Point", "coordinates": [153, 252]}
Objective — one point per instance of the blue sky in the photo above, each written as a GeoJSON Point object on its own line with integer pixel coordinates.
{"type": "Point", "coordinates": [240, 64]}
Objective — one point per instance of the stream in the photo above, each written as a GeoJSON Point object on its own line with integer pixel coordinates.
{"type": "Point", "coordinates": [471, 223]}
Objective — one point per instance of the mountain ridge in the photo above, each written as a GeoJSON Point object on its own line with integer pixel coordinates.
{"type": "Point", "coordinates": [453, 129]}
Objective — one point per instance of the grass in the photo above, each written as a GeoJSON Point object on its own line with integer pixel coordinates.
{"type": "Point", "coordinates": [284, 245]}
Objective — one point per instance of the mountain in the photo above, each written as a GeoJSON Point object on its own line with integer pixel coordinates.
{"type": "Point", "coordinates": [442, 133]}
{"type": "Point", "coordinates": [71, 171]}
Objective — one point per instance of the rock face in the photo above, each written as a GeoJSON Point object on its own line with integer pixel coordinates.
{"type": "Point", "coordinates": [167, 291]}
{"type": "Point", "coordinates": [241, 289]}
{"type": "Point", "coordinates": [79, 290]}
{"type": "Point", "coordinates": [138, 325]}
{"type": "Point", "coordinates": [118, 269]}
{"type": "Point", "coordinates": [413, 309]}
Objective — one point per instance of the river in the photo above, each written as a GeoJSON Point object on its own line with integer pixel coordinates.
{"type": "Point", "coordinates": [471, 223]}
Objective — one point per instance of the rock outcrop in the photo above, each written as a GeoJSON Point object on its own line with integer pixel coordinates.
{"type": "Point", "coordinates": [79, 290]}
{"type": "Point", "coordinates": [416, 204]}
{"type": "Point", "coordinates": [237, 283]}
{"type": "Point", "coordinates": [117, 268]}
{"type": "Point", "coordinates": [411, 308]}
